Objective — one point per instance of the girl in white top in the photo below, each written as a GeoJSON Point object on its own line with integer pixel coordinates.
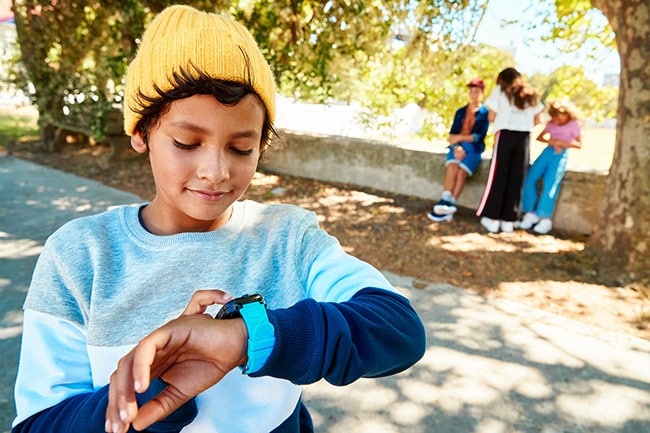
{"type": "Point", "coordinates": [514, 109]}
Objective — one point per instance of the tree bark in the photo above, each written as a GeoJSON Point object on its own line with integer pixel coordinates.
{"type": "Point", "coordinates": [621, 239]}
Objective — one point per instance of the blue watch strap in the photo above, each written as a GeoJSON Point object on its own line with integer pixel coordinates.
{"type": "Point", "coordinates": [261, 335]}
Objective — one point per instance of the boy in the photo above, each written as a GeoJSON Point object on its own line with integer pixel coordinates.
{"type": "Point", "coordinates": [199, 99]}
{"type": "Point", "coordinates": [466, 146]}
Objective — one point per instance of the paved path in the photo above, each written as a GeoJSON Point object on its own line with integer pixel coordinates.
{"type": "Point", "coordinates": [491, 366]}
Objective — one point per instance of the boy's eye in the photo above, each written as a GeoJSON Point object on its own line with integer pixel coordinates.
{"type": "Point", "coordinates": [183, 145]}
{"type": "Point", "coordinates": [234, 149]}
{"type": "Point", "coordinates": [243, 152]}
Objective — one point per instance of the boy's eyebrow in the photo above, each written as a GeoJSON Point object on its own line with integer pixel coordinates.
{"type": "Point", "coordinates": [192, 127]}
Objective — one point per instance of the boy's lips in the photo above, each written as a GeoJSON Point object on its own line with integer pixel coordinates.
{"type": "Point", "coordinates": [209, 195]}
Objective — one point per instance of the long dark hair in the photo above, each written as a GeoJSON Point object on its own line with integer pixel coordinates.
{"type": "Point", "coordinates": [507, 78]}
{"type": "Point", "coordinates": [524, 95]}
{"type": "Point", "coordinates": [519, 93]}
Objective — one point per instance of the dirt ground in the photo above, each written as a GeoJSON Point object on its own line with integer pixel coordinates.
{"type": "Point", "coordinates": [392, 232]}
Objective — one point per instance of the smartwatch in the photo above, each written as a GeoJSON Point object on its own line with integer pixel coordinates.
{"type": "Point", "coordinates": [261, 334]}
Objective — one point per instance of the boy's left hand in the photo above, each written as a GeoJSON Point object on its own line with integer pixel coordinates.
{"type": "Point", "coordinates": [202, 299]}
{"type": "Point", "coordinates": [190, 353]}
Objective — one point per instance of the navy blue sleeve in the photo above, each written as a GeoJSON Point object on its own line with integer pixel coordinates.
{"type": "Point", "coordinates": [86, 413]}
{"type": "Point", "coordinates": [459, 118]}
{"type": "Point", "coordinates": [480, 129]}
{"type": "Point", "coordinates": [376, 333]}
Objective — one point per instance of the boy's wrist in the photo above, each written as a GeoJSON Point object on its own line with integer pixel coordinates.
{"type": "Point", "coordinates": [261, 336]}
{"type": "Point", "coordinates": [260, 332]}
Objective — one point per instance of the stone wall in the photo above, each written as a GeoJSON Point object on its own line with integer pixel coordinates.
{"type": "Point", "coordinates": [415, 173]}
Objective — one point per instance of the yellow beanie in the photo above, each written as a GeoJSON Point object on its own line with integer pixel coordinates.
{"type": "Point", "coordinates": [181, 37]}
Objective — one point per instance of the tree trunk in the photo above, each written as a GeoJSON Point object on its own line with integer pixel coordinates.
{"type": "Point", "coordinates": [621, 239]}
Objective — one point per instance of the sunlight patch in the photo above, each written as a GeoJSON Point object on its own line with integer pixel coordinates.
{"type": "Point", "coordinates": [19, 248]}
{"type": "Point", "coordinates": [333, 196]}
{"type": "Point", "coordinates": [260, 179]}
{"type": "Point", "coordinates": [78, 204]}
{"type": "Point", "coordinates": [590, 303]}
{"type": "Point", "coordinates": [504, 243]}
{"type": "Point", "coordinates": [588, 408]}
{"type": "Point", "coordinates": [10, 332]}
{"type": "Point", "coordinates": [471, 242]}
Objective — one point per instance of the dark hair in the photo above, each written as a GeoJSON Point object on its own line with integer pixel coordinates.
{"type": "Point", "coordinates": [519, 93]}
{"type": "Point", "coordinates": [507, 78]}
{"type": "Point", "coordinates": [524, 95]}
{"type": "Point", "coordinates": [185, 84]}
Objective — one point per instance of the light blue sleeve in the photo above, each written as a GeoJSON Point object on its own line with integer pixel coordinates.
{"type": "Point", "coordinates": [53, 365]}
{"type": "Point", "coordinates": [336, 276]}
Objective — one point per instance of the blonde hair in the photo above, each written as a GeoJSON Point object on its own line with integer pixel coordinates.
{"type": "Point", "coordinates": [563, 106]}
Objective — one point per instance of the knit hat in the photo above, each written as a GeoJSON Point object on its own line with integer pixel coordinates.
{"type": "Point", "coordinates": [182, 37]}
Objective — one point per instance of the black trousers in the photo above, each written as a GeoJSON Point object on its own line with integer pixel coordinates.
{"type": "Point", "coordinates": [502, 194]}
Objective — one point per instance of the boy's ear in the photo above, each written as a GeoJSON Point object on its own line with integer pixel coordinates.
{"type": "Point", "coordinates": [137, 142]}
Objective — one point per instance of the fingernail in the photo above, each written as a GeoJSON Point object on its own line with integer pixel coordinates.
{"type": "Point", "coordinates": [227, 297]}
{"type": "Point", "coordinates": [137, 385]}
{"type": "Point", "coordinates": [116, 427]}
{"type": "Point", "coordinates": [107, 426]}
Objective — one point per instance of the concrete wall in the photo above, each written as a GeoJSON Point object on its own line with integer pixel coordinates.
{"type": "Point", "coordinates": [415, 173]}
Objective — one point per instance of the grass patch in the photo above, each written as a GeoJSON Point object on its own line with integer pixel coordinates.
{"type": "Point", "coordinates": [17, 124]}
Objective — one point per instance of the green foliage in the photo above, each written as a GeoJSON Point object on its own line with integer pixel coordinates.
{"type": "Point", "coordinates": [384, 55]}
{"type": "Point", "coordinates": [71, 59]}
{"type": "Point", "coordinates": [576, 27]}
{"type": "Point", "coordinates": [577, 23]}
{"type": "Point", "coordinates": [570, 82]}
{"type": "Point", "coordinates": [304, 39]}
{"type": "Point", "coordinates": [436, 83]}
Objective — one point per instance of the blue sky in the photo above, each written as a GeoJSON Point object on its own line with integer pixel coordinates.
{"type": "Point", "coordinates": [531, 54]}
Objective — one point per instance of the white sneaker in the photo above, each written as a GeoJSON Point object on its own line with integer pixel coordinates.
{"type": "Point", "coordinates": [528, 221]}
{"type": "Point", "coordinates": [507, 226]}
{"type": "Point", "coordinates": [444, 207]}
{"type": "Point", "coordinates": [439, 218]}
{"type": "Point", "coordinates": [490, 225]}
{"type": "Point", "coordinates": [543, 226]}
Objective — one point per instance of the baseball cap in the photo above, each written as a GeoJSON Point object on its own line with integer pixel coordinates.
{"type": "Point", "coordinates": [476, 82]}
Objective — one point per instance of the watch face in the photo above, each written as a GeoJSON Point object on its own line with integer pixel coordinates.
{"type": "Point", "coordinates": [249, 299]}
{"type": "Point", "coordinates": [230, 310]}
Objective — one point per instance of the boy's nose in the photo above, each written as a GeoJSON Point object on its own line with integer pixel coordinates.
{"type": "Point", "coordinates": [213, 166]}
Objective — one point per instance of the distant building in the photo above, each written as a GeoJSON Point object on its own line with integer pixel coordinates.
{"type": "Point", "coordinates": [611, 79]}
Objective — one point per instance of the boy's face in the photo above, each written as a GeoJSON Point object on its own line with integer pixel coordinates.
{"type": "Point", "coordinates": [475, 95]}
{"type": "Point", "coordinates": [203, 156]}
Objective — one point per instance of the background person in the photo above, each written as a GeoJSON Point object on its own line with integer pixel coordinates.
{"type": "Point", "coordinates": [561, 133]}
{"type": "Point", "coordinates": [467, 143]}
{"type": "Point", "coordinates": [200, 101]}
{"type": "Point", "coordinates": [514, 108]}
